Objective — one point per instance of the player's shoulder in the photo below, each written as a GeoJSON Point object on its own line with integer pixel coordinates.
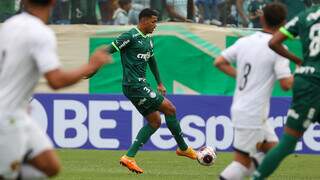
{"type": "Point", "coordinates": [130, 34]}
{"type": "Point", "coordinates": [245, 39]}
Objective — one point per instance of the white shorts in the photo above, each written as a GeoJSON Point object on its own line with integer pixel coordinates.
{"type": "Point", "coordinates": [245, 140]}
{"type": "Point", "coordinates": [19, 135]}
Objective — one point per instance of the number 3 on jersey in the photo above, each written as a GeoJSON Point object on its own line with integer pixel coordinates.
{"type": "Point", "coordinates": [314, 36]}
{"type": "Point", "coordinates": [244, 80]}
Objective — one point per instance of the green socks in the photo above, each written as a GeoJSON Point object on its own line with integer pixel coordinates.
{"type": "Point", "coordinates": [274, 157]}
{"type": "Point", "coordinates": [142, 137]}
{"type": "Point", "coordinates": [146, 132]}
{"type": "Point", "coordinates": [175, 130]}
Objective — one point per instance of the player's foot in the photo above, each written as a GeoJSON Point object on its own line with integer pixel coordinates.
{"type": "Point", "coordinates": [131, 164]}
{"type": "Point", "coordinates": [190, 153]}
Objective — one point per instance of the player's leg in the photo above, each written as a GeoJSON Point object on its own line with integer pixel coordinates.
{"type": "Point", "coordinates": [41, 160]}
{"type": "Point", "coordinates": [154, 122]}
{"type": "Point", "coordinates": [270, 140]}
{"type": "Point", "coordinates": [238, 168]}
{"type": "Point", "coordinates": [12, 148]}
{"type": "Point", "coordinates": [147, 102]}
{"type": "Point", "coordinates": [45, 164]}
{"type": "Point", "coordinates": [244, 145]}
{"type": "Point", "coordinates": [274, 157]}
{"type": "Point", "coordinates": [173, 124]}
{"type": "Point", "coordinates": [304, 110]}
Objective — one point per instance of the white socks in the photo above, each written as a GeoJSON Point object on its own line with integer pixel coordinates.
{"type": "Point", "coordinates": [234, 171]}
{"type": "Point", "coordinates": [28, 172]}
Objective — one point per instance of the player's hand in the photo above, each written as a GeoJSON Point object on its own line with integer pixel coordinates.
{"type": "Point", "coordinates": [162, 89]}
{"type": "Point", "coordinates": [99, 58]}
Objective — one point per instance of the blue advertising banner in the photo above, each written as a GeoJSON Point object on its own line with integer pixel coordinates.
{"type": "Point", "coordinates": [111, 122]}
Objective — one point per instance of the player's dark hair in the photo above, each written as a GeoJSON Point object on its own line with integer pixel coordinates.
{"type": "Point", "coordinates": [40, 2]}
{"type": "Point", "coordinates": [275, 14]}
{"type": "Point", "coordinates": [122, 3]}
{"type": "Point", "coordinates": [147, 13]}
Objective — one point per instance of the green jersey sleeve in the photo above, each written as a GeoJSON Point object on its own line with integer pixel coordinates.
{"type": "Point", "coordinates": [121, 42]}
{"type": "Point", "coordinates": [292, 28]}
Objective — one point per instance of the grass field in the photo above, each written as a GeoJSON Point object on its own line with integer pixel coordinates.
{"type": "Point", "coordinates": [165, 165]}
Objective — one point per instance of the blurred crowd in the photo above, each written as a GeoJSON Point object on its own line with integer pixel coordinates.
{"type": "Point", "coordinates": [235, 13]}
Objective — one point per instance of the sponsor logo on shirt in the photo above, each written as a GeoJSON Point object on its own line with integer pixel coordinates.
{"type": "Point", "coordinates": [124, 44]}
{"type": "Point", "coordinates": [305, 70]}
{"type": "Point", "coordinates": [144, 56]}
{"type": "Point", "coordinates": [314, 16]}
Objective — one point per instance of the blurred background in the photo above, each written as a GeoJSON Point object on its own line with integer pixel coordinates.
{"type": "Point", "coordinates": [230, 13]}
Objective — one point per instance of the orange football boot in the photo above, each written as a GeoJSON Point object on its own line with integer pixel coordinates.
{"type": "Point", "coordinates": [190, 153]}
{"type": "Point", "coordinates": [131, 164]}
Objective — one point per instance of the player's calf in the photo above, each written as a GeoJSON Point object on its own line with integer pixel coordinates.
{"type": "Point", "coordinates": [47, 162]}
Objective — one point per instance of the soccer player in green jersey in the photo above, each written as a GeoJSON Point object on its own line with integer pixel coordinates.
{"type": "Point", "coordinates": [136, 49]}
{"type": "Point", "coordinates": [305, 106]}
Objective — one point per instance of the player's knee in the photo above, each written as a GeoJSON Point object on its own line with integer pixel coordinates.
{"type": "Point", "coordinates": [155, 124]}
{"type": "Point", "coordinates": [171, 110]}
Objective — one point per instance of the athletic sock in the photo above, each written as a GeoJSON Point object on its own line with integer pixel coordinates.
{"type": "Point", "coordinates": [142, 137]}
{"type": "Point", "coordinates": [234, 171]}
{"type": "Point", "coordinates": [29, 172]}
{"type": "Point", "coordinates": [273, 158]}
{"type": "Point", "coordinates": [175, 130]}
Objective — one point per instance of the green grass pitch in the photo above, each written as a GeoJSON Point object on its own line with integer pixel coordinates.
{"type": "Point", "coordinates": [165, 165]}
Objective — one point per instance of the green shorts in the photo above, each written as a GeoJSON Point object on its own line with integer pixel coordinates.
{"type": "Point", "coordinates": [305, 106]}
{"type": "Point", "coordinates": [143, 97]}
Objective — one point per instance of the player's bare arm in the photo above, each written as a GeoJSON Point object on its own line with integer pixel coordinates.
{"type": "Point", "coordinates": [223, 65]}
{"type": "Point", "coordinates": [276, 44]}
{"type": "Point", "coordinates": [59, 78]}
{"type": "Point", "coordinates": [154, 69]}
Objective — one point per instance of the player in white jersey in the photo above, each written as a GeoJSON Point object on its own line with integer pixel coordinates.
{"type": "Point", "coordinates": [257, 68]}
{"type": "Point", "coordinates": [28, 49]}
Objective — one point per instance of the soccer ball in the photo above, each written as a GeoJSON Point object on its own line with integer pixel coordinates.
{"type": "Point", "coordinates": [206, 156]}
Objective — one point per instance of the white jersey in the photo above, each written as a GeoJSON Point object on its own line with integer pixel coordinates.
{"type": "Point", "coordinates": [257, 69]}
{"type": "Point", "coordinates": [27, 50]}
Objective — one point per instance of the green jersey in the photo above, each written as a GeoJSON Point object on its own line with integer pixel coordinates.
{"type": "Point", "coordinates": [294, 7]}
{"type": "Point", "coordinates": [136, 51]}
{"type": "Point", "coordinates": [6, 9]}
{"type": "Point", "coordinates": [307, 26]}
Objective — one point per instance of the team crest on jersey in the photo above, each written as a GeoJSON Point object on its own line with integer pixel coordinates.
{"type": "Point", "coordinates": [152, 94]}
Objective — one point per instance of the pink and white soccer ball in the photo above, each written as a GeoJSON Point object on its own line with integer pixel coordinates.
{"type": "Point", "coordinates": [206, 156]}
